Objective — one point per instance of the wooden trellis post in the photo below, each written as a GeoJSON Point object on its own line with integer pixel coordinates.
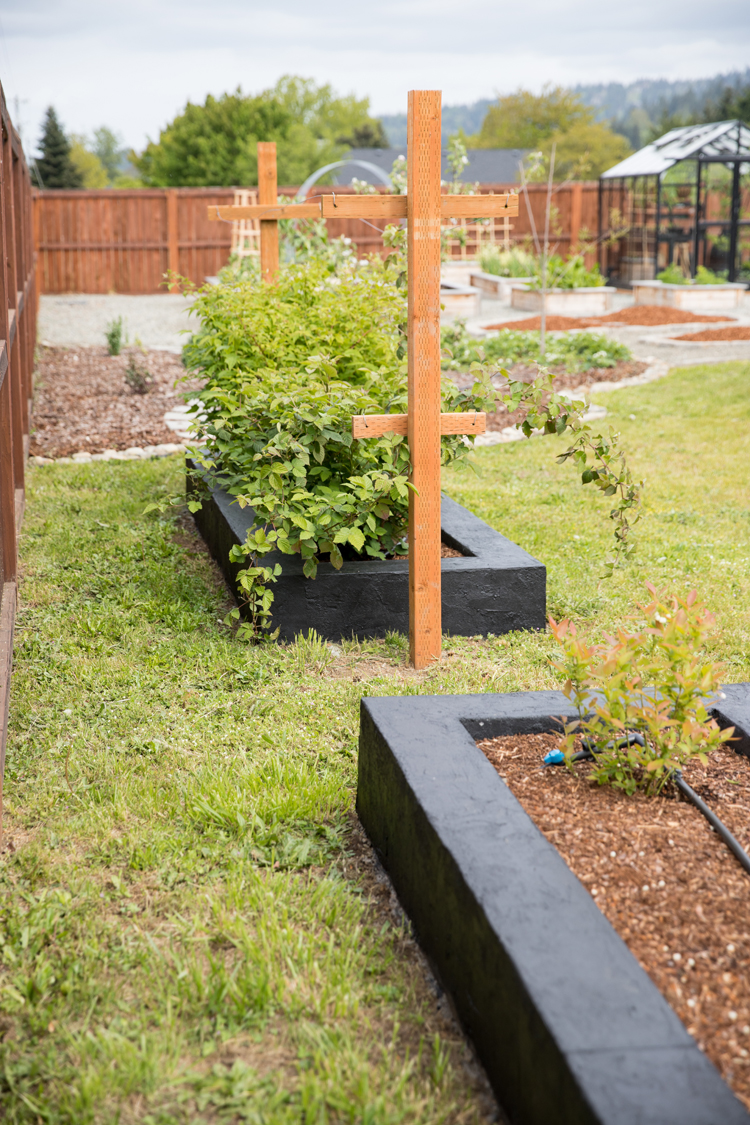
{"type": "Point", "coordinates": [268, 194]}
{"type": "Point", "coordinates": [424, 208]}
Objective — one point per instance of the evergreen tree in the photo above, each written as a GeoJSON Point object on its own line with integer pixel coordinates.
{"type": "Point", "coordinates": [54, 166]}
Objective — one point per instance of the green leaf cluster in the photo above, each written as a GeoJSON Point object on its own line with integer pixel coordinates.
{"type": "Point", "coordinates": [287, 366]}
{"type": "Point", "coordinates": [575, 351]}
{"type": "Point", "coordinates": [652, 681]}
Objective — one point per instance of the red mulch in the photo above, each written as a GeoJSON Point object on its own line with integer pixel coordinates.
{"type": "Point", "coordinates": [648, 315]}
{"type": "Point", "coordinates": [666, 882]}
{"type": "Point", "coordinates": [82, 401]}
{"type": "Point", "coordinates": [736, 333]}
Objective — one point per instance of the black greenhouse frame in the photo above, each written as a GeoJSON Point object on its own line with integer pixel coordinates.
{"type": "Point", "coordinates": [667, 206]}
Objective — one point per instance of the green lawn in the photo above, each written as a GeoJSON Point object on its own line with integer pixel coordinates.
{"type": "Point", "coordinates": [191, 927]}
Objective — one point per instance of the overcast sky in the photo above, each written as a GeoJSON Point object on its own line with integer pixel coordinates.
{"type": "Point", "coordinates": [133, 65]}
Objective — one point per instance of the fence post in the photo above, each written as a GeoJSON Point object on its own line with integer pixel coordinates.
{"type": "Point", "coordinates": [576, 206]}
{"type": "Point", "coordinates": [173, 245]}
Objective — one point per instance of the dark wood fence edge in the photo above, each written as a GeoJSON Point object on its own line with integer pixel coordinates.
{"type": "Point", "coordinates": [18, 313]}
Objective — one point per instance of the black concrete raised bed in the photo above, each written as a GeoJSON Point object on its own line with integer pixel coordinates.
{"type": "Point", "coordinates": [497, 588]}
{"type": "Point", "coordinates": [568, 1026]}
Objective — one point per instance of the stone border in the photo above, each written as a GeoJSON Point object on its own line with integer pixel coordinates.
{"type": "Point", "coordinates": [567, 1025]}
{"type": "Point", "coordinates": [135, 453]}
{"type": "Point", "coordinates": [496, 588]}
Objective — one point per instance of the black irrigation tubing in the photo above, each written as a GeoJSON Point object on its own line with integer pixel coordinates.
{"type": "Point", "coordinates": [718, 826]}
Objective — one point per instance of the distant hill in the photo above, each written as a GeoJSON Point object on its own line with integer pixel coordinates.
{"type": "Point", "coordinates": [455, 117]}
{"type": "Point", "coordinates": [634, 110]}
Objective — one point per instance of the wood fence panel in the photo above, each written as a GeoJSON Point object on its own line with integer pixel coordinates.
{"type": "Point", "coordinates": [115, 241]}
{"type": "Point", "coordinates": [18, 301]}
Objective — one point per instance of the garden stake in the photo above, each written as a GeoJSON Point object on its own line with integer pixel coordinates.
{"type": "Point", "coordinates": [424, 207]}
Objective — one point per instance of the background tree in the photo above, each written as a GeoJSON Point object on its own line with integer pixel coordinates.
{"type": "Point", "coordinates": [584, 147]}
{"type": "Point", "coordinates": [54, 164]}
{"type": "Point", "coordinates": [216, 143]}
{"type": "Point", "coordinates": [90, 168]}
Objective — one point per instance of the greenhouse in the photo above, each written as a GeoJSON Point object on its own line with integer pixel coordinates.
{"type": "Point", "coordinates": [684, 201]}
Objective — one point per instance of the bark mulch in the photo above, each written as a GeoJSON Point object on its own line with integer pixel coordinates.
{"type": "Point", "coordinates": [669, 886]}
{"type": "Point", "coordinates": [83, 403]}
{"type": "Point", "coordinates": [736, 333]}
{"type": "Point", "coordinates": [647, 315]}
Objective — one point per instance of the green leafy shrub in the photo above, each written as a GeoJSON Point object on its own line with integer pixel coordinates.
{"type": "Point", "coordinates": [288, 365]}
{"type": "Point", "coordinates": [507, 263]}
{"type": "Point", "coordinates": [652, 682]}
{"type": "Point", "coordinates": [705, 276]}
{"type": "Point", "coordinates": [673, 275]}
{"type": "Point", "coordinates": [575, 351]}
{"type": "Point", "coordinates": [570, 274]}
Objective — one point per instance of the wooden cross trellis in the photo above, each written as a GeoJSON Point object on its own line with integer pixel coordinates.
{"type": "Point", "coordinates": [424, 208]}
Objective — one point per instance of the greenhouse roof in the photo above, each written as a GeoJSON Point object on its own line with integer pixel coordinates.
{"type": "Point", "coordinates": [720, 138]}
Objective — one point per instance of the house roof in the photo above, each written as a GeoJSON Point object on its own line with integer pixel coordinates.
{"type": "Point", "coordinates": [486, 165]}
{"type": "Point", "coordinates": [720, 138]}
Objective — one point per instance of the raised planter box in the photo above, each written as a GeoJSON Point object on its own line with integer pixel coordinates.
{"type": "Point", "coordinates": [497, 588]}
{"type": "Point", "coordinates": [565, 302]}
{"type": "Point", "coordinates": [694, 298]}
{"type": "Point", "coordinates": [459, 300]}
{"type": "Point", "coordinates": [494, 286]}
{"type": "Point", "coordinates": [568, 1026]}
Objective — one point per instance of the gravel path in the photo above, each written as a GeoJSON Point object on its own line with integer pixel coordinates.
{"type": "Point", "coordinates": [80, 320]}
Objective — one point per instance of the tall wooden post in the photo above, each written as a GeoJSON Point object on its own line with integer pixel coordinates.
{"type": "Point", "coordinates": [268, 197]}
{"type": "Point", "coordinates": [424, 219]}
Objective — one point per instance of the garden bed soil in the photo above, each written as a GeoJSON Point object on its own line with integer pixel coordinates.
{"type": "Point", "coordinates": [738, 332]}
{"type": "Point", "coordinates": [662, 877]}
{"type": "Point", "coordinates": [646, 315]}
{"type": "Point", "coordinates": [82, 402]}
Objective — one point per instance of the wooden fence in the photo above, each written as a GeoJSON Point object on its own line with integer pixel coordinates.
{"type": "Point", "coordinates": [125, 241]}
{"type": "Point", "coordinates": [18, 302]}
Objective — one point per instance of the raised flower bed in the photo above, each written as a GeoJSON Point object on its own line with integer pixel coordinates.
{"type": "Point", "coordinates": [692, 297]}
{"type": "Point", "coordinates": [567, 1024]}
{"type": "Point", "coordinates": [495, 587]}
{"type": "Point", "coordinates": [588, 301]}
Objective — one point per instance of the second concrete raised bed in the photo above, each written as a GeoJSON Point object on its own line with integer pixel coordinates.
{"type": "Point", "coordinates": [565, 302]}
{"type": "Point", "coordinates": [693, 298]}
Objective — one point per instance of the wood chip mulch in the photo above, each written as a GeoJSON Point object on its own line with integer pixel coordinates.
{"type": "Point", "coordinates": [646, 315]}
{"type": "Point", "coordinates": [736, 333]}
{"type": "Point", "coordinates": [669, 886]}
{"type": "Point", "coordinates": [83, 403]}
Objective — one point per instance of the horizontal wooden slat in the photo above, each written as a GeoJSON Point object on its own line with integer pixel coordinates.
{"type": "Point", "coordinates": [11, 327]}
{"type": "Point", "coordinates": [478, 206]}
{"type": "Point", "coordinates": [375, 425]}
{"type": "Point", "coordinates": [372, 207]}
{"type": "Point", "coordinates": [264, 211]}
{"type": "Point", "coordinates": [197, 244]}
{"type": "Point", "coordinates": [363, 206]}
{"type": "Point", "coordinates": [3, 360]}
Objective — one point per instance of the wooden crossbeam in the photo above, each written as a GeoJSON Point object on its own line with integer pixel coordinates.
{"type": "Point", "coordinates": [371, 207]}
{"type": "Point", "coordinates": [375, 425]}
